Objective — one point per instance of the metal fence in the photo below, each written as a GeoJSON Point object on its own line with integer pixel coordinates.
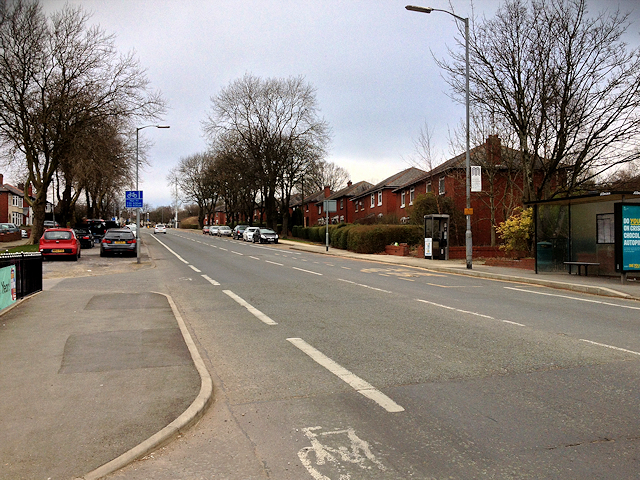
{"type": "Point", "coordinates": [28, 271]}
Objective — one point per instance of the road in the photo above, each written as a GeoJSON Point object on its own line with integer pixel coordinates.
{"type": "Point", "coordinates": [333, 368]}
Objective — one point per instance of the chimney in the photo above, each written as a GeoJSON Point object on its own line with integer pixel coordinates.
{"type": "Point", "coordinates": [30, 190]}
{"type": "Point", "coordinates": [1, 180]}
{"type": "Point", "coordinates": [21, 186]}
{"type": "Point", "coordinates": [349, 183]}
{"type": "Point", "coordinates": [327, 192]}
{"type": "Point", "coordinates": [494, 150]}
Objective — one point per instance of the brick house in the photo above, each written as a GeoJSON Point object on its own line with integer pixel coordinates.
{"type": "Point", "coordinates": [311, 205]}
{"type": "Point", "coordinates": [380, 199]}
{"type": "Point", "coordinates": [345, 212]}
{"type": "Point", "coordinates": [13, 207]}
{"type": "Point", "coordinates": [501, 186]}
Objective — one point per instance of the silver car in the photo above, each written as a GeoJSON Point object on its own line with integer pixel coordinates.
{"type": "Point", "coordinates": [224, 231]}
{"type": "Point", "coordinates": [247, 235]}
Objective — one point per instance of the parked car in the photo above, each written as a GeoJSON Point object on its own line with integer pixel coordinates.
{"type": "Point", "coordinates": [60, 242]}
{"type": "Point", "coordinates": [265, 235]}
{"type": "Point", "coordinates": [51, 224]}
{"type": "Point", "coordinates": [118, 240]}
{"type": "Point", "coordinates": [133, 227]}
{"type": "Point", "coordinates": [85, 236]}
{"type": "Point", "coordinates": [247, 235]}
{"type": "Point", "coordinates": [8, 228]}
{"type": "Point", "coordinates": [237, 231]}
{"type": "Point", "coordinates": [160, 228]}
{"type": "Point", "coordinates": [224, 231]}
{"type": "Point", "coordinates": [205, 229]}
{"type": "Point", "coordinates": [213, 230]}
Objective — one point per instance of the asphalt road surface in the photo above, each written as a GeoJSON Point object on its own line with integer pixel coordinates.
{"type": "Point", "coordinates": [332, 368]}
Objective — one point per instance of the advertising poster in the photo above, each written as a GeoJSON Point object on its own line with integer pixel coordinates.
{"type": "Point", "coordinates": [428, 247]}
{"type": "Point", "coordinates": [630, 237]}
{"type": "Point", "coordinates": [7, 286]}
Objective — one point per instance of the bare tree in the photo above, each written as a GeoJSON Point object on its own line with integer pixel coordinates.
{"type": "Point", "coordinates": [326, 174]}
{"type": "Point", "coordinates": [564, 82]}
{"type": "Point", "coordinates": [272, 119]}
{"type": "Point", "coordinates": [196, 177]}
{"type": "Point", "coordinates": [57, 75]}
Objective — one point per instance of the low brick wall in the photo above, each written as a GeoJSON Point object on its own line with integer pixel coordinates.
{"type": "Point", "coordinates": [10, 237]}
{"type": "Point", "coordinates": [523, 263]}
{"type": "Point", "coordinates": [401, 250]}
{"type": "Point", "coordinates": [459, 253]}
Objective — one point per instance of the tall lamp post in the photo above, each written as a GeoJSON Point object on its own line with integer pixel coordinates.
{"type": "Point", "coordinates": [468, 211]}
{"type": "Point", "coordinates": [137, 189]}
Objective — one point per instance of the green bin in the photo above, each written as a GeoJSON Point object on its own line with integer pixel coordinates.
{"type": "Point", "coordinates": [544, 256]}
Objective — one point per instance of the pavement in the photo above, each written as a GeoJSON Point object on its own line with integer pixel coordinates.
{"type": "Point", "coordinates": [86, 391]}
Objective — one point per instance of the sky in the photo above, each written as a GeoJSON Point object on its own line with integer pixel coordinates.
{"type": "Point", "coordinates": [371, 62]}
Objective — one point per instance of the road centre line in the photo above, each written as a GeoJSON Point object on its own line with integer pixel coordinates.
{"type": "Point", "coordinates": [358, 384]}
{"type": "Point", "coordinates": [257, 313]}
{"type": "Point", "coordinates": [610, 346]}
{"type": "Point", "coordinates": [165, 246]}
{"type": "Point", "coordinates": [588, 300]}
{"type": "Point", "coordinates": [225, 249]}
{"type": "Point", "coordinates": [237, 253]}
{"type": "Point", "coordinates": [365, 286]}
{"type": "Point", "coordinates": [482, 315]}
{"type": "Point", "coordinates": [194, 269]}
{"type": "Point", "coordinates": [307, 271]}
{"type": "Point", "coordinates": [255, 258]}
{"type": "Point", "coordinates": [210, 280]}
{"type": "Point", "coordinates": [274, 263]}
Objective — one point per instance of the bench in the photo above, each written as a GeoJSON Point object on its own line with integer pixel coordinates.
{"type": "Point", "coordinates": [586, 265]}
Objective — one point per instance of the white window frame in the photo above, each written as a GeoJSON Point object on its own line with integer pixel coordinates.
{"type": "Point", "coordinates": [380, 198]}
{"type": "Point", "coordinates": [412, 195]}
{"type": "Point", "coordinates": [342, 204]}
{"type": "Point", "coordinates": [441, 190]}
{"type": "Point", "coordinates": [16, 201]}
{"type": "Point", "coordinates": [373, 200]}
{"type": "Point", "coordinates": [428, 188]}
{"type": "Point", "coordinates": [402, 195]}
{"type": "Point", "coordinates": [319, 209]}
{"type": "Point", "coordinates": [16, 218]}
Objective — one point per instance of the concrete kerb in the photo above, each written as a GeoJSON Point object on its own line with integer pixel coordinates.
{"type": "Point", "coordinates": [189, 417]}
{"type": "Point", "coordinates": [462, 270]}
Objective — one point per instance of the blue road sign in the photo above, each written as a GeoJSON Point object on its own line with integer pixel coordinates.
{"type": "Point", "coordinates": [134, 199]}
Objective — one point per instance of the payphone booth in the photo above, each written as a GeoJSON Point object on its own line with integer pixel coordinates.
{"type": "Point", "coordinates": [436, 237]}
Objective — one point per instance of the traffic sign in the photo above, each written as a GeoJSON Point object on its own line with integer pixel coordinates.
{"type": "Point", "coordinates": [134, 199]}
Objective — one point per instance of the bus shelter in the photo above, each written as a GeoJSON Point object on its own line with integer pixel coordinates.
{"type": "Point", "coordinates": [599, 231]}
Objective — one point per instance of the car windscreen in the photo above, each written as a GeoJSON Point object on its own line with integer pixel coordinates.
{"type": "Point", "coordinates": [267, 230]}
{"type": "Point", "coordinates": [57, 235]}
{"type": "Point", "coordinates": [119, 235]}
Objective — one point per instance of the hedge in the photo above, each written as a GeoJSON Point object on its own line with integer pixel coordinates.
{"type": "Point", "coordinates": [363, 238]}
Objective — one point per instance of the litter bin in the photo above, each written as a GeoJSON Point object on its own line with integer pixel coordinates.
{"type": "Point", "coordinates": [544, 256]}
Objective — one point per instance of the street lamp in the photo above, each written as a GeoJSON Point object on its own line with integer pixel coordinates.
{"type": "Point", "coordinates": [467, 212]}
{"type": "Point", "coordinates": [137, 189]}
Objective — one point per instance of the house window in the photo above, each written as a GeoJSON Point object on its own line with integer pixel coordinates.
{"type": "Point", "coordinates": [604, 225]}
{"type": "Point", "coordinates": [402, 200]}
{"type": "Point", "coordinates": [441, 186]}
{"type": "Point", "coordinates": [373, 200]}
{"type": "Point", "coordinates": [16, 201]}
{"type": "Point", "coordinates": [342, 204]}
{"type": "Point", "coordinates": [380, 198]}
{"type": "Point", "coordinates": [307, 205]}
{"type": "Point", "coordinates": [319, 209]}
{"type": "Point", "coordinates": [429, 187]}
{"type": "Point", "coordinates": [356, 206]}
{"type": "Point", "coordinates": [412, 195]}
{"type": "Point", "coordinates": [16, 217]}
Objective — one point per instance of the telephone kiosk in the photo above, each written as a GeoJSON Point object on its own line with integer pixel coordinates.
{"type": "Point", "coordinates": [436, 237]}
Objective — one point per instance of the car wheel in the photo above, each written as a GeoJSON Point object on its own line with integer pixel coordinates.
{"type": "Point", "coordinates": [103, 254]}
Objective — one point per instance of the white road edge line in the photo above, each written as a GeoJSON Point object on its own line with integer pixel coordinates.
{"type": "Point", "coordinates": [307, 271]}
{"type": "Point", "coordinates": [194, 269]}
{"type": "Point", "coordinates": [610, 346]}
{"type": "Point", "coordinates": [588, 300]}
{"type": "Point", "coordinates": [210, 280]}
{"type": "Point", "coordinates": [165, 246]}
{"type": "Point", "coordinates": [256, 313]}
{"type": "Point", "coordinates": [358, 384]}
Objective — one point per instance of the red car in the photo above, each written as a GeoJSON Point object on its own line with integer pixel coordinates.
{"type": "Point", "coordinates": [60, 242]}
